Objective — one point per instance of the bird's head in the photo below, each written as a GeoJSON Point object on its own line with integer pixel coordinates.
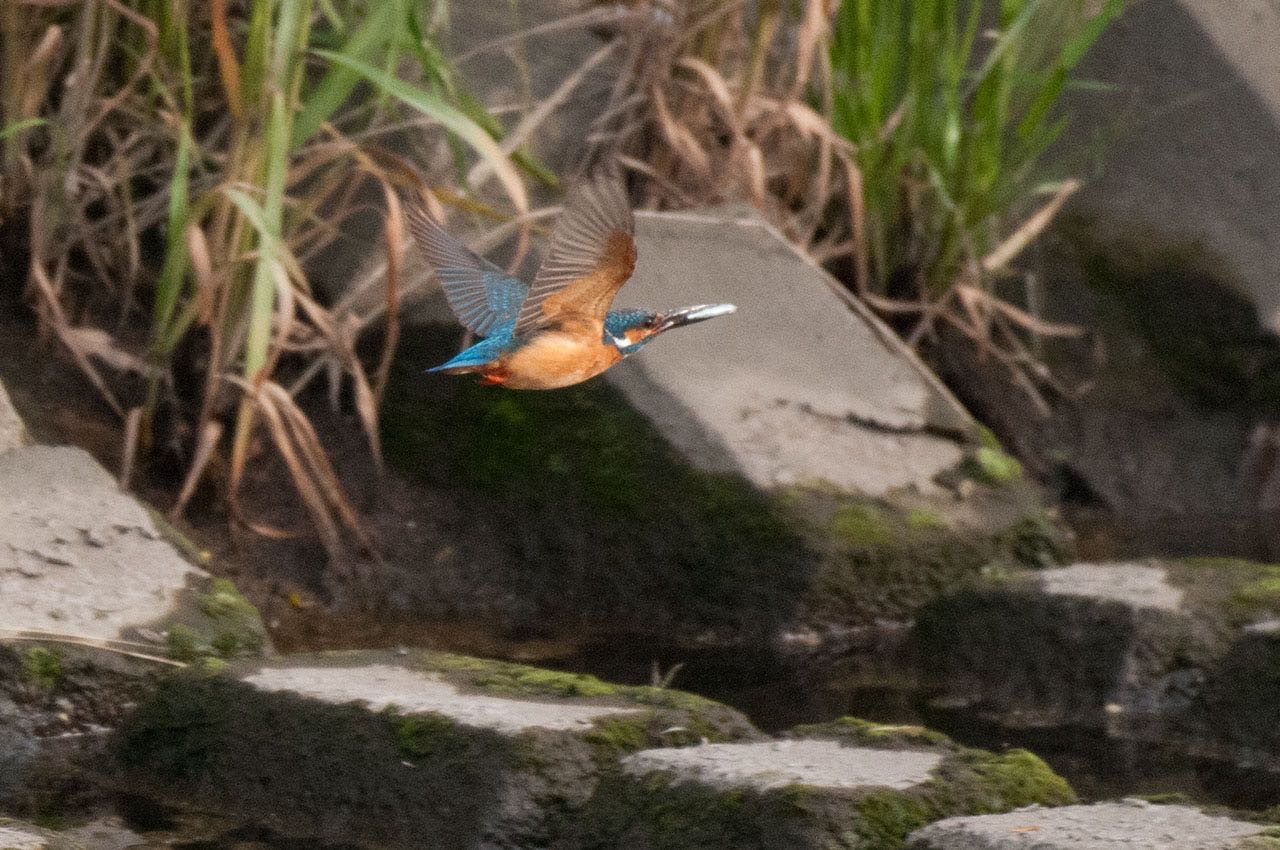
{"type": "Point", "coordinates": [629, 330]}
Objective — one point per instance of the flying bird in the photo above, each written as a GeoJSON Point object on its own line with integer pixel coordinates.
{"type": "Point", "coordinates": [559, 330]}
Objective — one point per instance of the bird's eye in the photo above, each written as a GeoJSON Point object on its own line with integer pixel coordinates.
{"type": "Point", "coordinates": [651, 322]}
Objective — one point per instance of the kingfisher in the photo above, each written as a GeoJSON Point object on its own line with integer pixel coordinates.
{"type": "Point", "coordinates": [559, 330]}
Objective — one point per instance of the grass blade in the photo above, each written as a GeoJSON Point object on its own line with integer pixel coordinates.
{"type": "Point", "coordinates": [447, 116]}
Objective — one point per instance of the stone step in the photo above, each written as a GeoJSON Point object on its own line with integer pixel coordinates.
{"type": "Point", "coordinates": [775, 764]}
{"type": "Point", "coordinates": [1101, 826]}
{"type": "Point", "coordinates": [380, 748]}
{"type": "Point", "coordinates": [843, 784]}
{"type": "Point", "coordinates": [102, 834]}
{"type": "Point", "coordinates": [96, 597]}
{"type": "Point", "coordinates": [803, 383]}
{"type": "Point", "coordinates": [82, 558]}
{"type": "Point", "coordinates": [1180, 652]}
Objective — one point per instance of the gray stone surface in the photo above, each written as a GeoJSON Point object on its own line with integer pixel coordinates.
{"type": "Point", "coordinates": [13, 433]}
{"type": "Point", "coordinates": [801, 384]}
{"type": "Point", "coordinates": [107, 833]}
{"type": "Point", "coordinates": [1178, 654]}
{"type": "Point", "coordinates": [1138, 585]}
{"type": "Point", "coordinates": [382, 685]}
{"type": "Point", "coordinates": [77, 556]}
{"type": "Point", "coordinates": [1125, 825]}
{"type": "Point", "coordinates": [391, 750]}
{"type": "Point", "coordinates": [773, 764]}
{"type": "Point", "coordinates": [100, 834]}
{"type": "Point", "coordinates": [1210, 69]}
{"type": "Point", "coordinates": [16, 836]}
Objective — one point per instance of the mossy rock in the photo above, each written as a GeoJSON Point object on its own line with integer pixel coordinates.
{"type": "Point", "coordinates": [601, 518]}
{"type": "Point", "coordinates": [864, 733]}
{"type": "Point", "coordinates": [211, 621]}
{"type": "Point", "coordinates": [665, 811]}
{"type": "Point", "coordinates": [386, 775]}
{"type": "Point", "coordinates": [58, 691]}
{"type": "Point", "coordinates": [1232, 592]}
{"type": "Point", "coordinates": [884, 561]}
{"type": "Point", "coordinates": [521, 680]}
{"type": "Point", "coordinates": [599, 527]}
{"type": "Point", "coordinates": [1201, 674]}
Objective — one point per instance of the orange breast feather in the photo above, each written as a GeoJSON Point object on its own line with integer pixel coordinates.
{"type": "Point", "coordinates": [555, 359]}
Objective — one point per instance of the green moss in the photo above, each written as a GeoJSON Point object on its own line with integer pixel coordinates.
{"type": "Point", "coordinates": [212, 666]}
{"type": "Point", "coordinates": [510, 679]}
{"type": "Point", "coordinates": [423, 736]}
{"type": "Point", "coordinates": [919, 519]}
{"type": "Point", "coordinates": [227, 644]}
{"type": "Point", "coordinates": [862, 524]}
{"type": "Point", "coordinates": [1019, 778]}
{"type": "Point", "coordinates": [879, 564]}
{"type": "Point", "coordinates": [1228, 591]}
{"type": "Point", "coordinates": [327, 774]}
{"type": "Point", "coordinates": [502, 677]}
{"type": "Point", "coordinates": [993, 466]}
{"type": "Point", "coordinates": [660, 813]}
{"type": "Point", "coordinates": [1259, 842]}
{"type": "Point", "coordinates": [603, 516]}
{"type": "Point", "coordinates": [1172, 798]}
{"type": "Point", "coordinates": [223, 601]}
{"type": "Point", "coordinates": [886, 818]}
{"type": "Point", "coordinates": [613, 737]}
{"type": "Point", "coordinates": [181, 643]}
{"type": "Point", "coordinates": [43, 666]}
{"type": "Point", "coordinates": [1035, 542]}
{"type": "Point", "coordinates": [237, 627]}
{"type": "Point", "coordinates": [855, 730]}
{"type": "Point", "coordinates": [1264, 590]}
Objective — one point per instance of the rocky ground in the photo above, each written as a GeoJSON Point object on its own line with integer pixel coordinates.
{"type": "Point", "coordinates": [1159, 651]}
{"type": "Point", "coordinates": [142, 706]}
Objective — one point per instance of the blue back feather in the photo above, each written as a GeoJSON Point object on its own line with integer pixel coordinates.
{"type": "Point", "coordinates": [485, 351]}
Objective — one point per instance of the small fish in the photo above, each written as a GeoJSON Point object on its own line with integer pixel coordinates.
{"type": "Point", "coordinates": [558, 331]}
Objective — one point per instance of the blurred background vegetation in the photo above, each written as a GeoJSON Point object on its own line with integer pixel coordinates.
{"type": "Point", "coordinates": [173, 169]}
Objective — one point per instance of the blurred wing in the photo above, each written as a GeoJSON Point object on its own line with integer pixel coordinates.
{"type": "Point", "coordinates": [480, 294]}
{"type": "Point", "coordinates": [592, 254]}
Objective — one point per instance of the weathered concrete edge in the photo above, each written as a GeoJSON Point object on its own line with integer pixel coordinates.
{"type": "Point", "coordinates": [13, 431]}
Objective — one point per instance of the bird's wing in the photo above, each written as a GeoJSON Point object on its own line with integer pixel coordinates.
{"type": "Point", "coordinates": [592, 254]}
{"type": "Point", "coordinates": [480, 294]}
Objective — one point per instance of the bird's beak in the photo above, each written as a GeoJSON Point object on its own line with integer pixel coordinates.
{"type": "Point", "coordinates": [691, 315]}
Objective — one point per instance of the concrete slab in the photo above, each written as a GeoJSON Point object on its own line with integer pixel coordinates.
{"type": "Point", "coordinates": [1167, 658]}
{"type": "Point", "coordinates": [1102, 826]}
{"type": "Point", "coordinates": [22, 837]}
{"type": "Point", "coordinates": [1137, 585]}
{"type": "Point", "coordinates": [77, 556]}
{"type": "Point", "coordinates": [1208, 67]}
{"type": "Point", "coordinates": [801, 384]}
{"type": "Point", "coordinates": [102, 834]}
{"type": "Point", "coordinates": [380, 686]}
{"type": "Point", "coordinates": [377, 748]}
{"type": "Point", "coordinates": [13, 433]}
{"type": "Point", "coordinates": [773, 764]}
